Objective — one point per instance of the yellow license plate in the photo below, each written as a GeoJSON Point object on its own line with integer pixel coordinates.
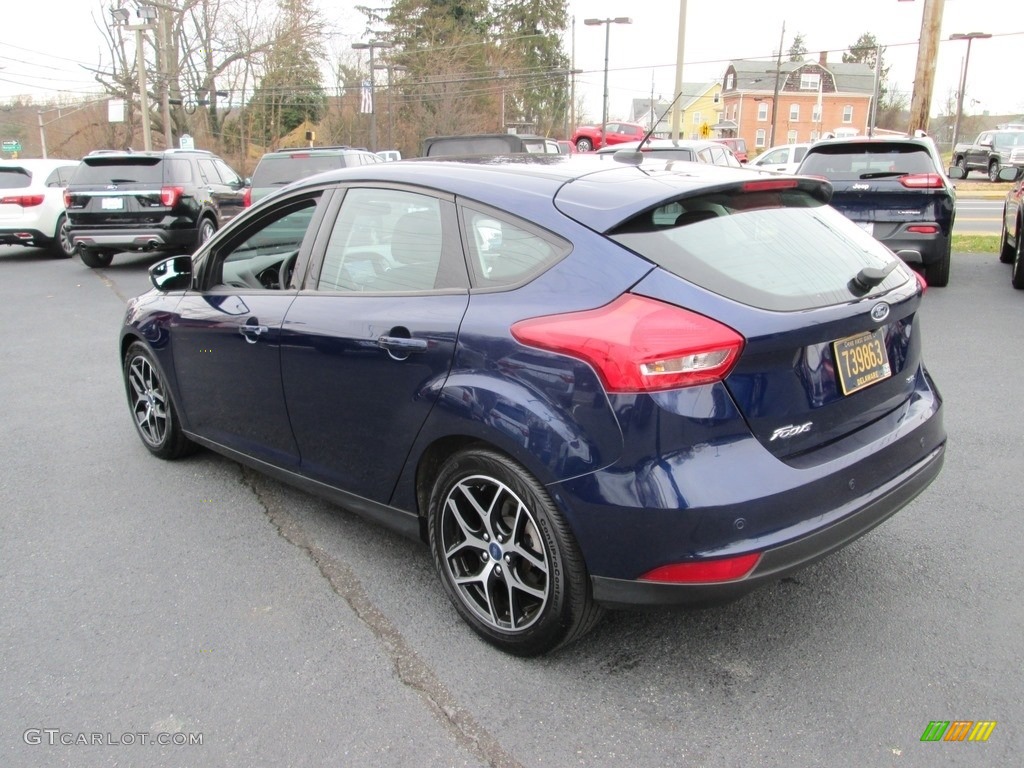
{"type": "Point", "coordinates": [861, 360]}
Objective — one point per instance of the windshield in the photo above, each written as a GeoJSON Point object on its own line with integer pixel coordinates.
{"type": "Point", "coordinates": [780, 251]}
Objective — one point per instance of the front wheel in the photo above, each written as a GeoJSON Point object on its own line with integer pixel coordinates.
{"type": "Point", "coordinates": [153, 412]}
{"type": "Point", "coordinates": [506, 557]}
{"type": "Point", "coordinates": [584, 145]}
{"type": "Point", "coordinates": [95, 259]}
{"type": "Point", "coordinates": [962, 166]}
{"type": "Point", "coordinates": [1017, 278]}
{"type": "Point", "coordinates": [993, 171]}
{"type": "Point", "coordinates": [1005, 249]}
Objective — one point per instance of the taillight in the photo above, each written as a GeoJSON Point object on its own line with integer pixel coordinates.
{"type": "Point", "coordinates": [922, 181]}
{"type": "Point", "coordinates": [25, 201]}
{"type": "Point", "coordinates": [921, 281]}
{"type": "Point", "coordinates": [247, 197]}
{"type": "Point", "coordinates": [169, 196]}
{"type": "Point", "coordinates": [637, 344]}
{"type": "Point", "coordinates": [67, 199]}
{"type": "Point", "coordinates": [768, 185]}
{"type": "Point", "coordinates": [702, 571]}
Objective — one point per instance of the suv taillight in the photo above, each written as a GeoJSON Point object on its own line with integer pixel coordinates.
{"type": "Point", "coordinates": [67, 199]}
{"type": "Point", "coordinates": [922, 181]}
{"type": "Point", "coordinates": [247, 197]}
{"type": "Point", "coordinates": [169, 196]}
{"type": "Point", "coordinates": [25, 201]}
{"type": "Point", "coordinates": [637, 344]}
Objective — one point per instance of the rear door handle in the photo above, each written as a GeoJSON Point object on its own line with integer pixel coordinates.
{"type": "Point", "coordinates": [252, 332]}
{"type": "Point", "coordinates": [401, 345]}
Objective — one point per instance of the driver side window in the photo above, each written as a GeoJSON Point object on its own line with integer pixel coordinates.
{"type": "Point", "coordinates": [261, 256]}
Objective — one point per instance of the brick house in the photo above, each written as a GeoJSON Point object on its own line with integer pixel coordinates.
{"type": "Point", "coordinates": [816, 98]}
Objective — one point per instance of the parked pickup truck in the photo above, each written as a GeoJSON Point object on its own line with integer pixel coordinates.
{"type": "Point", "coordinates": [991, 151]}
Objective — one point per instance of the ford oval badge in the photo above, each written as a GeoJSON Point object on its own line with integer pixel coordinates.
{"type": "Point", "coordinates": [880, 311]}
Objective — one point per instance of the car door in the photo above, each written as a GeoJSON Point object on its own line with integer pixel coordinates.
{"type": "Point", "coordinates": [370, 339]}
{"type": "Point", "coordinates": [224, 188]}
{"type": "Point", "coordinates": [226, 335]}
{"type": "Point", "coordinates": [977, 154]}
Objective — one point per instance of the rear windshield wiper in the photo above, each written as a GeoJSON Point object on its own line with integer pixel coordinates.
{"type": "Point", "coordinates": [869, 277]}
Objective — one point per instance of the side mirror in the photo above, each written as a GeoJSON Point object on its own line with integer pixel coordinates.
{"type": "Point", "coordinates": [1011, 172]}
{"type": "Point", "coordinates": [173, 274]}
{"type": "Point", "coordinates": [956, 172]}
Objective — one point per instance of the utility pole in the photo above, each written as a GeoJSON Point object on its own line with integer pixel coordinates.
{"type": "Point", "coordinates": [676, 129]}
{"type": "Point", "coordinates": [927, 54]}
{"type": "Point", "coordinates": [775, 97]}
{"type": "Point", "coordinates": [165, 74]}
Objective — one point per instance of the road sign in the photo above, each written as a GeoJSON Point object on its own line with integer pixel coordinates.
{"type": "Point", "coordinates": [10, 145]}
{"type": "Point", "coordinates": [705, 130]}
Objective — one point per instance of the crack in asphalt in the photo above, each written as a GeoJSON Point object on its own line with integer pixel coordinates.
{"type": "Point", "coordinates": [410, 669]}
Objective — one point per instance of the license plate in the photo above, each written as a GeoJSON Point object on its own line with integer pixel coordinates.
{"type": "Point", "coordinates": [861, 360]}
{"type": "Point", "coordinates": [867, 226]}
{"type": "Point", "coordinates": [112, 203]}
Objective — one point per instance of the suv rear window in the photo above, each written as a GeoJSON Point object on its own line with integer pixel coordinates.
{"type": "Point", "coordinates": [120, 170]}
{"type": "Point", "coordinates": [14, 178]}
{"type": "Point", "coordinates": [851, 161]}
{"type": "Point", "coordinates": [779, 250]}
{"type": "Point", "coordinates": [284, 169]}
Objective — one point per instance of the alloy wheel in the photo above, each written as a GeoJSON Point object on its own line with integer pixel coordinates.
{"type": "Point", "coordinates": [494, 554]}
{"type": "Point", "coordinates": [148, 401]}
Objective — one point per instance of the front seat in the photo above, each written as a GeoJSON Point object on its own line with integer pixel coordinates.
{"type": "Point", "coordinates": [415, 254]}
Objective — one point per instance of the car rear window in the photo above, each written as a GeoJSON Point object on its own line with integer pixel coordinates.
{"type": "Point", "coordinates": [14, 178]}
{"type": "Point", "coordinates": [284, 169]}
{"type": "Point", "coordinates": [120, 170]}
{"type": "Point", "coordinates": [777, 250]}
{"type": "Point", "coordinates": [849, 162]}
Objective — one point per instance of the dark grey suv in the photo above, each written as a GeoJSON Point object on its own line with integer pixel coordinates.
{"type": "Point", "coordinates": [170, 201]}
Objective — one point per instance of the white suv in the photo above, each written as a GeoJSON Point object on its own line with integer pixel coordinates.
{"type": "Point", "coordinates": [32, 204]}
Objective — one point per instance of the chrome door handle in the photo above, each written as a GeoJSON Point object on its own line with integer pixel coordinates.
{"type": "Point", "coordinates": [254, 330]}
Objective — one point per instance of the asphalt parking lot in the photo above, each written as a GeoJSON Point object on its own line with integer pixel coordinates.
{"type": "Point", "coordinates": [245, 623]}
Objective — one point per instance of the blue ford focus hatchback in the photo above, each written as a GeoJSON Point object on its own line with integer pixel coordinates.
{"type": "Point", "coordinates": [583, 384]}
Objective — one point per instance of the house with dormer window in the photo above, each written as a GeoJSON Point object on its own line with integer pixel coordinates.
{"type": "Point", "coordinates": [815, 99]}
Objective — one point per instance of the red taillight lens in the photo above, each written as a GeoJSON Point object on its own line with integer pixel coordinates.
{"type": "Point", "coordinates": [922, 181]}
{"type": "Point", "coordinates": [25, 201]}
{"type": "Point", "coordinates": [766, 186]}
{"type": "Point", "coordinates": [638, 344]}
{"type": "Point", "coordinates": [169, 196]}
{"type": "Point", "coordinates": [67, 200]}
{"type": "Point", "coordinates": [247, 197]}
{"type": "Point", "coordinates": [923, 229]}
{"type": "Point", "coordinates": [703, 571]}
{"type": "Point", "coordinates": [921, 281]}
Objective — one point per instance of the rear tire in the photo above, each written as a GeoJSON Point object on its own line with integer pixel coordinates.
{"type": "Point", "coordinates": [993, 171]}
{"type": "Point", "coordinates": [62, 247]}
{"type": "Point", "coordinates": [95, 259]}
{"type": "Point", "coordinates": [506, 556]}
{"type": "Point", "coordinates": [937, 273]}
{"type": "Point", "coordinates": [206, 229]}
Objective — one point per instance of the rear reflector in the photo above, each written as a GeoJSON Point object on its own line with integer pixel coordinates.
{"type": "Point", "coordinates": [637, 344]}
{"type": "Point", "coordinates": [704, 571]}
{"type": "Point", "coordinates": [923, 229]}
{"type": "Point", "coordinates": [25, 201]}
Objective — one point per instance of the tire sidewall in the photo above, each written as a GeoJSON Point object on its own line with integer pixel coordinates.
{"type": "Point", "coordinates": [165, 448]}
{"type": "Point", "coordinates": [552, 625]}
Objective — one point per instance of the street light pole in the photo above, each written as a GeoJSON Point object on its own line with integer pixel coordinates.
{"type": "Point", "coordinates": [607, 39]}
{"type": "Point", "coordinates": [969, 37]}
{"type": "Point", "coordinates": [372, 46]}
{"type": "Point", "coordinates": [391, 68]}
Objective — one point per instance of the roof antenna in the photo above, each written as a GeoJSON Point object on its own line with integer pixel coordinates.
{"type": "Point", "coordinates": [634, 156]}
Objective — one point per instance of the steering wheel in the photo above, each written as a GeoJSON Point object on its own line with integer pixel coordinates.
{"type": "Point", "coordinates": [284, 274]}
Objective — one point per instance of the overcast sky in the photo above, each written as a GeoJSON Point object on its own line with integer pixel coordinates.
{"type": "Point", "coordinates": [43, 44]}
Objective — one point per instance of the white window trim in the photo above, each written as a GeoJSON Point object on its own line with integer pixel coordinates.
{"type": "Point", "coordinates": [760, 138]}
{"type": "Point", "coordinates": [794, 112]}
{"type": "Point", "coordinates": [848, 113]}
{"type": "Point", "coordinates": [762, 112]}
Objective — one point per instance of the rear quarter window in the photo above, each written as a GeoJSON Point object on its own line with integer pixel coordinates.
{"type": "Point", "coordinates": [776, 251]}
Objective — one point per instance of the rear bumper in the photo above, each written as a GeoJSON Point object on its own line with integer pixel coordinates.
{"type": "Point", "coordinates": [151, 239]}
{"type": "Point", "coordinates": [23, 236]}
{"type": "Point", "coordinates": [777, 562]}
{"type": "Point", "coordinates": [917, 248]}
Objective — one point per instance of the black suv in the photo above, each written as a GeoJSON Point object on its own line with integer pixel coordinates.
{"type": "Point", "coordinates": [896, 190]}
{"type": "Point", "coordinates": [282, 167]}
{"type": "Point", "coordinates": [172, 200]}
